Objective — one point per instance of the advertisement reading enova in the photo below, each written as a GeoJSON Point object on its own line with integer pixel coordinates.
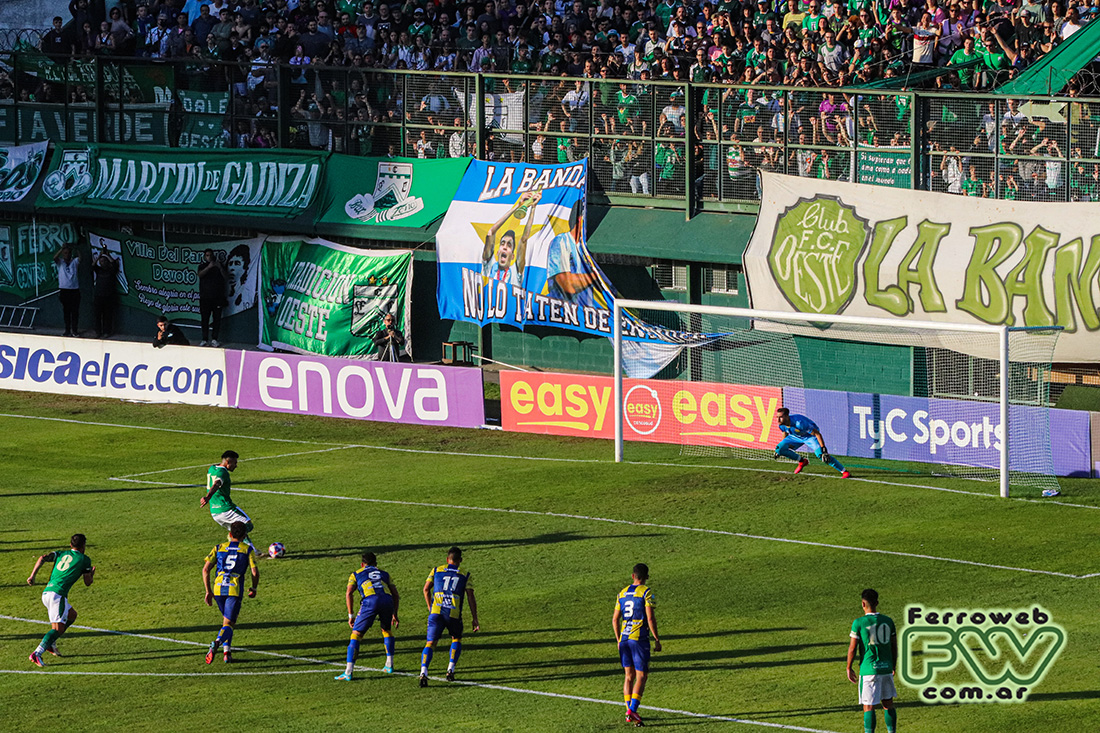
{"type": "Point", "coordinates": [251, 380]}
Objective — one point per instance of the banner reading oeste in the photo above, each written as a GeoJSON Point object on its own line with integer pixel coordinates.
{"type": "Point", "coordinates": [830, 247]}
{"type": "Point", "coordinates": [161, 277]}
{"type": "Point", "coordinates": [323, 298]}
{"type": "Point", "coordinates": [121, 179]}
{"type": "Point", "coordinates": [654, 411]}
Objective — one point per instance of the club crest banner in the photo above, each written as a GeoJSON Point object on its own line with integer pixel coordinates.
{"type": "Point", "coordinates": [324, 298]}
{"type": "Point", "coordinates": [163, 277]}
{"type": "Point", "coordinates": [843, 248]}
{"type": "Point", "coordinates": [405, 192]}
{"type": "Point", "coordinates": [20, 166]}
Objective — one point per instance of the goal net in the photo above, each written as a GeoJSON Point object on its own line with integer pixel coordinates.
{"type": "Point", "coordinates": [887, 396]}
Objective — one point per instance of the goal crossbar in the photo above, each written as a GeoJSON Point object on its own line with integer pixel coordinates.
{"type": "Point", "coordinates": [1000, 331]}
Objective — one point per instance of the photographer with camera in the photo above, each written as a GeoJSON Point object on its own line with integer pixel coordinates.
{"type": "Point", "coordinates": [389, 341]}
{"type": "Point", "coordinates": [106, 270]}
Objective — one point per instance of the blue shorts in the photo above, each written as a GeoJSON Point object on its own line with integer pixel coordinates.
{"type": "Point", "coordinates": [794, 443]}
{"type": "Point", "coordinates": [368, 611]}
{"type": "Point", "coordinates": [634, 655]}
{"type": "Point", "coordinates": [437, 622]}
{"type": "Point", "coordinates": [230, 606]}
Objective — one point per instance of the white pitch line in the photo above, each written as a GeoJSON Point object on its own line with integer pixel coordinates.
{"type": "Point", "coordinates": [669, 526]}
{"type": "Point", "coordinates": [242, 460]}
{"type": "Point", "coordinates": [481, 685]}
{"type": "Point", "coordinates": [514, 458]}
{"type": "Point", "coordinates": [166, 674]}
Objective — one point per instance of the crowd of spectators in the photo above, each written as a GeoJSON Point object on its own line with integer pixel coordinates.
{"type": "Point", "coordinates": [791, 42]}
{"type": "Point", "coordinates": [337, 55]}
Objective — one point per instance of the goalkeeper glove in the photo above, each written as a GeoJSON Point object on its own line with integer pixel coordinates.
{"type": "Point", "coordinates": [824, 456]}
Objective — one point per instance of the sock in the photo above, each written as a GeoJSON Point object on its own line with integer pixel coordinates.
{"type": "Point", "coordinates": [869, 721]}
{"type": "Point", "coordinates": [353, 650]}
{"type": "Point", "coordinates": [387, 642]}
{"type": "Point", "coordinates": [225, 637]}
{"type": "Point", "coordinates": [836, 464]}
{"type": "Point", "coordinates": [635, 700]}
{"type": "Point", "coordinates": [891, 716]}
{"type": "Point", "coordinates": [456, 649]}
{"type": "Point", "coordinates": [349, 668]}
{"type": "Point", "coordinates": [48, 640]}
{"type": "Point", "coordinates": [626, 698]}
{"type": "Point", "coordinates": [425, 660]}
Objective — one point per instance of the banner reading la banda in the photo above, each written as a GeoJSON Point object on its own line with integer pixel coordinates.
{"type": "Point", "coordinates": [830, 247]}
{"type": "Point", "coordinates": [239, 182]}
{"type": "Point", "coordinates": [654, 411]}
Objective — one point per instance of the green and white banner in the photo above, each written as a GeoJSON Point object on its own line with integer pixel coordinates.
{"type": "Point", "coordinates": [27, 269]}
{"type": "Point", "coordinates": [121, 179]}
{"type": "Point", "coordinates": [324, 298]}
{"type": "Point", "coordinates": [203, 114]}
{"type": "Point", "coordinates": [406, 192]}
{"type": "Point", "coordinates": [831, 247]}
{"type": "Point", "coordinates": [163, 277]}
{"type": "Point", "coordinates": [136, 123]}
{"type": "Point", "coordinates": [20, 166]}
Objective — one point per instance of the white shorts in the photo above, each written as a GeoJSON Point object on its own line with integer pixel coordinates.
{"type": "Point", "coordinates": [874, 688]}
{"type": "Point", "coordinates": [227, 518]}
{"type": "Point", "coordinates": [57, 607]}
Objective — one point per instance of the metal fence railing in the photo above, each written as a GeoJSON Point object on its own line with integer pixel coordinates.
{"type": "Point", "coordinates": [674, 144]}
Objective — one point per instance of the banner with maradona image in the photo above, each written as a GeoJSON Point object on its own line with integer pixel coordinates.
{"type": "Point", "coordinates": [161, 277]}
{"type": "Point", "coordinates": [512, 250]}
{"type": "Point", "coordinates": [324, 298]}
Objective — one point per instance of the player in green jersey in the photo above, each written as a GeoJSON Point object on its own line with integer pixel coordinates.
{"type": "Point", "coordinates": [218, 483]}
{"type": "Point", "coordinates": [875, 640]}
{"type": "Point", "coordinates": [68, 566]}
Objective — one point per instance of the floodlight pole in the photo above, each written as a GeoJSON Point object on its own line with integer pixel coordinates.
{"type": "Point", "coordinates": [617, 345]}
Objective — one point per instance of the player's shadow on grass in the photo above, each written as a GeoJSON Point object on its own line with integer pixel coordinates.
{"type": "Point", "coordinates": [55, 545]}
{"type": "Point", "coordinates": [113, 489]}
{"type": "Point", "coordinates": [549, 538]}
{"type": "Point", "coordinates": [1069, 695]}
{"type": "Point", "coordinates": [806, 712]}
{"type": "Point", "coordinates": [527, 643]}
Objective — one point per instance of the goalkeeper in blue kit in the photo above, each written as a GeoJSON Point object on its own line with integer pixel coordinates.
{"type": "Point", "coordinates": [802, 431]}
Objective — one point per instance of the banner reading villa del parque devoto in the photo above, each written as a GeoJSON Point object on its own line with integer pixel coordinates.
{"type": "Point", "coordinates": [512, 249]}
{"type": "Point", "coordinates": [161, 277]}
{"type": "Point", "coordinates": [858, 250]}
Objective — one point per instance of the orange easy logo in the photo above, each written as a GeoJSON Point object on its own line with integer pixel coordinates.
{"type": "Point", "coordinates": [697, 413]}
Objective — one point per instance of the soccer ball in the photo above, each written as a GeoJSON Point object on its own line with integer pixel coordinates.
{"type": "Point", "coordinates": [276, 550]}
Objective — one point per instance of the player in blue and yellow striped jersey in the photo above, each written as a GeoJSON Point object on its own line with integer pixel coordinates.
{"type": "Point", "coordinates": [444, 591]}
{"type": "Point", "coordinates": [380, 599]}
{"type": "Point", "coordinates": [634, 620]}
{"type": "Point", "coordinates": [230, 559]}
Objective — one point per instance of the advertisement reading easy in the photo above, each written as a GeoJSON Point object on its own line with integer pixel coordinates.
{"type": "Point", "coordinates": [351, 388]}
{"type": "Point", "coordinates": [121, 370]}
{"type": "Point", "coordinates": [958, 432]}
{"type": "Point", "coordinates": [655, 411]}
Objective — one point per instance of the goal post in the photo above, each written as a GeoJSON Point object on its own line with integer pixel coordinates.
{"type": "Point", "coordinates": [959, 369]}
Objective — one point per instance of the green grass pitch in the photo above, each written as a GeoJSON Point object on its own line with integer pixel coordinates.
{"type": "Point", "coordinates": [755, 628]}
